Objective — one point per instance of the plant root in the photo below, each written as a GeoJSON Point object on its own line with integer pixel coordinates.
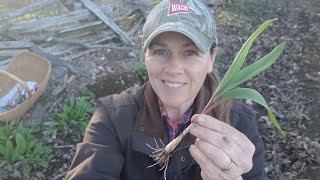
{"type": "Point", "coordinates": [161, 156]}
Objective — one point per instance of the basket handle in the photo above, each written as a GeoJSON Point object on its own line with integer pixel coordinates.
{"type": "Point", "coordinates": [22, 83]}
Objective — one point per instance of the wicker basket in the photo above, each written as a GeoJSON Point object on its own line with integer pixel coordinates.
{"type": "Point", "coordinates": [26, 66]}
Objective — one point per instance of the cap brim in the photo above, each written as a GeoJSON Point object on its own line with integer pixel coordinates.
{"type": "Point", "coordinates": [200, 40]}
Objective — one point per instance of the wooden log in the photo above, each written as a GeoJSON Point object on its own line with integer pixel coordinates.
{"type": "Point", "coordinates": [58, 46]}
{"type": "Point", "coordinates": [107, 8]}
{"type": "Point", "coordinates": [15, 44]}
{"type": "Point", "coordinates": [32, 36]}
{"type": "Point", "coordinates": [4, 30]}
{"type": "Point", "coordinates": [44, 23]}
{"type": "Point", "coordinates": [97, 37]}
{"type": "Point", "coordinates": [29, 9]}
{"type": "Point", "coordinates": [60, 7]}
{"type": "Point", "coordinates": [72, 5]}
{"type": "Point", "coordinates": [91, 49]}
{"type": "Point", "coordinates": [4, 62]}
{"type": "Point", "coordinates": [108, 46]}
{"type": "Point", "coordinates": [105, 37]}
{"type": "Point", "coordinates": [83, 31]}
{"type": "Point", "coordinates": [74, 56]}
{"type": "Point", "coordinates": [8, 53]}
{"type": "Point", "coordinates": [142, 3]}
{"type": "Point", "coordinates": [63, 49]}
{"type": "Point", "coordinates": [80, 40]}
{"type": "Point", "coordinates": [49, 37]}
{"type": "Point", "coordinates": [135, 28]}
{"type": "Point", "coordinates": [60, 49]}
{"type": "Point", "coordinates": [127, 12]}
{"type": "Point", "coordinates": [82, 26]}
{"type": "Point", "coordinates": [94, 9]}
{"type": "Point", "coordinates": [67, 41]}
{"type": "Point", "coordinates": [53, 59]}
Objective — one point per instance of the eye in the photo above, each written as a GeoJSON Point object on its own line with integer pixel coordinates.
{"type": "Point", "coordinates": [160, 52]}
{"type": "Point", "coordinates": [190, 53]}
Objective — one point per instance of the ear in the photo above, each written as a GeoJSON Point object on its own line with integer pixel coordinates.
{"type": "Point", "coordinates": [212, 59]}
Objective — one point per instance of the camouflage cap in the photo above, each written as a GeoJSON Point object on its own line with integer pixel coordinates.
{"type": "Point", "coordinates": [189, 17]}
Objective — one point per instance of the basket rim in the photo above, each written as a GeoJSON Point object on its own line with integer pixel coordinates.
{"type": "Point", "coordinates": [38, 93]}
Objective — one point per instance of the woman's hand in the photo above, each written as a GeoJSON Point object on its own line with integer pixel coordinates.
{"type": "Point", "coordinates": [222, 152]}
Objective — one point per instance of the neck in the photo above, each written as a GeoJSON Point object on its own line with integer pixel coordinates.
{"type": "Point", "coordinates": [175, 113]}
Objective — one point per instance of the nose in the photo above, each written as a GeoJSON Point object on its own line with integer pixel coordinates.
{"type": "Point", "coordinates": [174, 66]}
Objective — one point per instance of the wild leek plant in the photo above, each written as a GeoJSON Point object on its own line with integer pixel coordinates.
{"type": "Point", "coordinates": [21, 151]}
{"type": "Point", "coordinates": [73, 115]}
{"type": "Point", "coordinates": [227, 90]}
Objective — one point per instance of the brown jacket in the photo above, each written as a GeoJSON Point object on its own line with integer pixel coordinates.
{"type": "Point", "coordinates": [114, 146]}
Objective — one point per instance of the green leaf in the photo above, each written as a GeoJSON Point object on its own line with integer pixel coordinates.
{"type": "Point", "coordinates": [3, 136]}
{"type": "Point", "coordinates": [44, 164]}
{"type": "Point", "coordinates": [37, 150]}
{"type": "Point", "coordinates": [3, 163]}
{"type": "Point", "coordinates": [2, 150]}
{"type": "Point", "coordinates": [21, 144]}
{"type": "Point", "coordinates": [252, 70]}
{"type": "Point", "coordinates": [9, 150]}
{"type": "Point", "coordinates": [15, 155]}
{"type": "Point", "coordinates": [240, 58]}
{"type": "Point", "coordinates": [26, 169]}
{"type": "Point", "coordinates": [251, 94]}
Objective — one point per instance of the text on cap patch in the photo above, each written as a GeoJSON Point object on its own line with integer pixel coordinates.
{"type": "Point", "coordinates": [176, 7]}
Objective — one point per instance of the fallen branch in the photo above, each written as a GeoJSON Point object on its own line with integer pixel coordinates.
{"type": "Point", "coordinates": [94, 9]}
{"type": "Point", "coordinates": [15, 44]}
{"type": "Point", "coordinates": [53, 59]}
{"type": "Point", "coordinates": [135, 28]}
{"type": "Point", "coordinates": [88, 46]}
{"type": "Point", "coordinates": [29, 9]}
{"type": "Point", "coordinates": [8, 53]}
{"type": "Point", "coordinates": [56, 21]}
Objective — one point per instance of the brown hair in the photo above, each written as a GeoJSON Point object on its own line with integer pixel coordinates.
{"type": "Point", "coordinates": [221, 111]}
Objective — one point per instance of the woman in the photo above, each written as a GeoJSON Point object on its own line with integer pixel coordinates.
{"type": "Point", "coordinates": [180, 46]}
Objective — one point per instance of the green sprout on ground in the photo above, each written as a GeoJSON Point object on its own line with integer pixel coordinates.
{"type": "Point", "coordinates": [87, 94]}
{"type": "Point", "coordinates": [141, 71]}
{"type": "Point", "coordinates": [73, 115]}
{"type": "Point", "coordinates": [227, 90]}
{"type": "Point", "coordinates": [20, 151]}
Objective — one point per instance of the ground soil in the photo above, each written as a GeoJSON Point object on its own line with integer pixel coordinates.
{"type": "Point", "coordinates": [291, 86]}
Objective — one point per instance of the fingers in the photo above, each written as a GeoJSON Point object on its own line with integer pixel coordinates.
{"type": "Point", "coordinates": [209, 171]}
{"type": "Point", "coordinates": [219, 141]}
{"type": "Point", "coordinates": [220, 127]}
{"type": "Point", "coordinates": [206, 176]}
{"type": "Point", "coordinates": [221, 144]}
{"type": "Point", "coordinates": [205, 164]}
{"type": "Point", "coordinates": [220, 159]}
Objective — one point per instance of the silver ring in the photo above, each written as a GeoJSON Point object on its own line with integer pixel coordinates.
{"type": "Point", "coordinates": [228, 168]}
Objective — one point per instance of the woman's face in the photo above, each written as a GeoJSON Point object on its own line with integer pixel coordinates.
{"type": "Point", "coordinates": [177, 68]}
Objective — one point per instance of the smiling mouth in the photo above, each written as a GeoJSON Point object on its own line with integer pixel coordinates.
{"type": "Point", "coordinates": [173, 85]}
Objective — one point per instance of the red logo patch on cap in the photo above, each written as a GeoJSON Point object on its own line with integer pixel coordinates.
{"type": "Point", "coordinates": [176, 7]}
